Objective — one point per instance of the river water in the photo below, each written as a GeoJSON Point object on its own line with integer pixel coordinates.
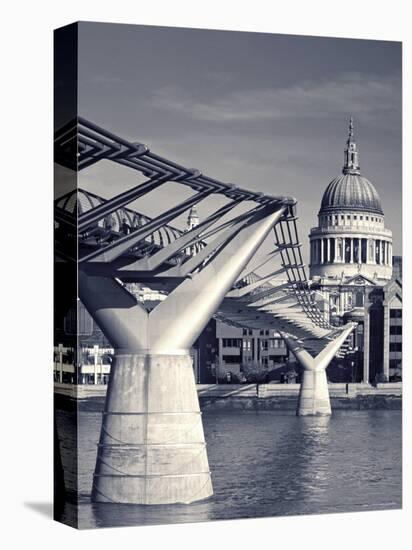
{"type": "Point", "coordinates": [266, 463]}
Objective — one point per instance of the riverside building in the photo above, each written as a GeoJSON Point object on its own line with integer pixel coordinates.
{"type": "Point", "coordinates": [351, 265]}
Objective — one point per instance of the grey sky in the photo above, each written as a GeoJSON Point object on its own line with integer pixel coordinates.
{"type": "Point", "coordinates": [267, 112]}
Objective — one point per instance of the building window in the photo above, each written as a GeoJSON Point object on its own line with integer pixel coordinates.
{"type": "Point", "coordinates": [231, 342]}
{"type": "Point", "coordinates": [332, 250]}
{"type": "Point", "coordinates": [247, 345]}
{"type": "Point", "coordinates": [275, 343]}
{"type": "Point", "coordinates": [359, 299]}
{"type": "Point", "coordinates": [367, 218]}
{"type": "Point", "coordinates": [78, 321]}
{"type": "Point", "coordinates": [395, 329]}
{"type": "Point", "coordinates": [395, 313]}
{"type": "Point", "coordinates": [363, 251]}
{"type": "Point", "coordinates": [347, 251]}
{"type": "Point", "coordinates": [234, 359]}
{"type": "Point", "coordinates": [325, 250]}
{"type": "Point", "coordinates": [355, 250]}
{"type": "Point", "coordinates": [340, 250]}
{"type": "Point", "coordinates": [371, 250]}
{"type": "Point", "coordinates": [377, 251]}
{"type": "Point", "coordinates": [395, 346]}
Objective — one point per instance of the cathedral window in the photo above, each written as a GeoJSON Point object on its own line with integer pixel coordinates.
{"type": "Point", "coordinates": [355, 250]}
{"type": "Point", "coordinates": [378, 252]}
{"type": "Point", "coordinates": [340, 250]}
{"type": "Point", "coordinates": [371, 250]}
{"type": "Point", "coordinates": [347, 250]}
{"type": "Point", "coordinates": [359, 299]}
{"type": "Point", "coordinates": [325, 250]}
{"type": "Point", "coordinates": [363, 251]}
{"type": "Point", "coordinates": [332, 250]}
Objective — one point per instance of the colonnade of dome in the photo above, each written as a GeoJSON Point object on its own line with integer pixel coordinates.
{"type": "Point", "coordinates": [351, 236]}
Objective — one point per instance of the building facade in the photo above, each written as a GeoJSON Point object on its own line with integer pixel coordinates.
{"type": "Point", "coordinates": [351, 238]}
{"type": "Point", "coordinates": [250, 353]}
{"type": "Point", "coordinates": [383, 332]}
{"type": "Point", "coordinates": [352, 267]}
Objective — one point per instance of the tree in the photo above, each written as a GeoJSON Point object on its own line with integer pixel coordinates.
{"type": "Point", "coordinates": [254, 372]}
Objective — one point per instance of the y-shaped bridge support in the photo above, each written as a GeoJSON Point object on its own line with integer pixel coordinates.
{"type": "Point", "coordinates": [152, 448]}
{"type": "Point", "coordinates": [314, 393]}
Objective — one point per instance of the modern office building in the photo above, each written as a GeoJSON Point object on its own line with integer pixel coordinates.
{"type": "Point", "coordinates": [383, 330]}
{"type": "Point", "coordinates": [242, 351]}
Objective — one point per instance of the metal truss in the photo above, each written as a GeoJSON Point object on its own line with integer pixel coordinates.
{"type": "Point", "coordinates": [273, 293]}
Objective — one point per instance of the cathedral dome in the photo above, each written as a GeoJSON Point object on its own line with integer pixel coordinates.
{"type": "Point", "coordinates": [351, 191]}
{"type": "Point", "coordinates": [351, 238]}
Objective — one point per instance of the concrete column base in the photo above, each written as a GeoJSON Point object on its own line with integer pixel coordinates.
{"type": "Point", "coordinates": [152, 448]}
{"type": "Point", "coordinates": [314, 394]}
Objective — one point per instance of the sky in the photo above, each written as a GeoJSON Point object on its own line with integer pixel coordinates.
{"type": "Point", "coordinates": [267, 112]}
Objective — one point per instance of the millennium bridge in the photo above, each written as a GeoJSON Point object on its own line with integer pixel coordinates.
{"type": "Point", "coordinates": [242, 264]}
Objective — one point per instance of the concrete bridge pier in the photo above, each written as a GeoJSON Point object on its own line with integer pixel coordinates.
{"type": "Point", "coordinates": [314, 392]}
{"type": "Point", "coordinates": [152, 448]}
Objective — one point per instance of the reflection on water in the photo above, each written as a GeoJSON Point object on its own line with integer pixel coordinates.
{"type": "Point", "coordinates": [263, 464]}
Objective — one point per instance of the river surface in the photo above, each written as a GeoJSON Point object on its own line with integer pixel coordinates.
{"type": "Point", "coordinates": [266, 463]}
